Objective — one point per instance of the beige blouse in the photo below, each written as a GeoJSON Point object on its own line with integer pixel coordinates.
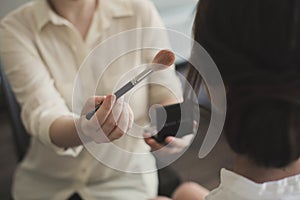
{"type": "Point", "coordinates": [42, 54]}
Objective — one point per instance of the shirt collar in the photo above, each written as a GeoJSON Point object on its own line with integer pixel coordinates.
{"type": "Point", "coordinates": [42, 14]}
{"type": "Point", "coordinates": [112, 9]}
{"type": "Point", "coordinates": [268, 190]}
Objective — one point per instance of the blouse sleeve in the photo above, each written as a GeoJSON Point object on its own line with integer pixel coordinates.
{"type": "Point", "coordinates": [41, 104]}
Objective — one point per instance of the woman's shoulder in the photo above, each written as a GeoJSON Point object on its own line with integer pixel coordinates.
{"type": "Point", "coordinates": [25, 15]}
{"type": "Point", "coordinates": [140, 4]}
{"type": "Point", "coordinates": [142, 11]}
{"type": "Point", "coordinates": [22, 11]}
{"type": "Point", "coordinates": [146, 11]}
{"type": "Point", "coordinates": [136, 5]}
{"type": "Point", "coordinates": [141, 7]}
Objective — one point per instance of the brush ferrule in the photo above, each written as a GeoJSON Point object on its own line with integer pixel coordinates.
{"type": "Point", "coordinates": [141, 76]}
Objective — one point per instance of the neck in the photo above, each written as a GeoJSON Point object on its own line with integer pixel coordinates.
{"type": "Point", "coordinates": [78, 12]}
{"type": "Point", "coordinates": [250, 170]}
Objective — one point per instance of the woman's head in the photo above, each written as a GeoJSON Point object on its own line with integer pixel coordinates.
{"type": "Point", "coordinates": [252, 41]}
{"type": "Point", "coordinates": [256, 46]}
{"type": "Point", "coordinates": [265, 129]}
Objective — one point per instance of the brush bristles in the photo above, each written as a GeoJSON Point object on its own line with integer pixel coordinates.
{"type": "Point", "coordinates": [163, 59]}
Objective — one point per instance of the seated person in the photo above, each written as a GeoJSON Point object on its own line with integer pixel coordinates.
{"type": "Point", "coordinates": [264, 131]}
{"type": "Point", "coordinates": [43, 45]}
{"type": "Point", "coordinates": [255, 46]}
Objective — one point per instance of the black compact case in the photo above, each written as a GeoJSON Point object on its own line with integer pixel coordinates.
{"type": "Point", "coordinates": [174, 120]}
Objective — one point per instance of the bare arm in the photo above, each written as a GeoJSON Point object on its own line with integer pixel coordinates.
{"type": "Point", "coordinates": [63, 132]}
{"type": "Point", "coordinates": [110, 122]}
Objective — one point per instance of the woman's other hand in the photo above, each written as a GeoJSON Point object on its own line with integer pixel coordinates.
{"type": "Point", "coordinates": [172, 145]}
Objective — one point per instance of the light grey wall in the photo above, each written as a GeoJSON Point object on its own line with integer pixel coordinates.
{"type": "Point", "coordinates": [8, 5]}
{"type": "Point", "coordinates": [178, 15]}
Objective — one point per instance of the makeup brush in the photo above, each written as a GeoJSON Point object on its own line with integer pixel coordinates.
{"type": "Point", "coordinates": [161, 61]}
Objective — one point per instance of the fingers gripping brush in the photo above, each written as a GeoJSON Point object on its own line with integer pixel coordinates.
{"type": "Point", "coordinates": [162, 60]}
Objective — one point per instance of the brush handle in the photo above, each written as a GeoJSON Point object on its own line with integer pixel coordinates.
{"type": "Point", "coordinates": [118, 94]}
{"type": "Point", "coordinates": [90, 114]}
{"type": "Point", "coordinates": [124, 89]}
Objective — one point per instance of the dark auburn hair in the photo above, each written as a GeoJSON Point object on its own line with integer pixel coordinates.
{"type": "Point", "coordinates": [256, 46]}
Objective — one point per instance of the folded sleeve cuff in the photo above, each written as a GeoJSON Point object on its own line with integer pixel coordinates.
{"type": "Point", "coordinates": [44, 136]}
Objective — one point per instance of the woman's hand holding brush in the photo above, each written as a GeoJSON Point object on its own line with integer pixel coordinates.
{"type": "Point", "coordinates": [112, 120]}
{"type": "Point", "coordinates": [162, 60]}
